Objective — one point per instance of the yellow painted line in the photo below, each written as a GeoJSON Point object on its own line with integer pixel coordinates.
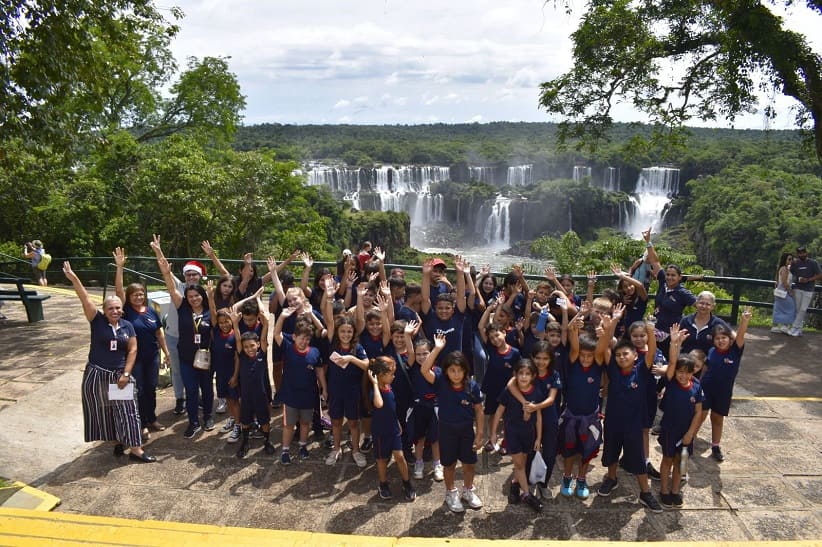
{"type": "Point", "coordinates": [22, 527]}
{"type": "Point", "coordinates": [800, 399]}
{"type": "Point", "coordinates": [47, 501]}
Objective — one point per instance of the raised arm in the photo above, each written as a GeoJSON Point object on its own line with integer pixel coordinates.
{"type": "Point", "coordinates": [471, 287]}
{"type": "Point", "coordinates": [379, 254]}
{"type": "Point", "coordinates": [573, 333]}
{"type": "Point", "coordinates": [171, 283]}
{"type": "Point", "coordinates": [328, 307]}
{"type": "Point", "coordinates": [592, 282]}
{"type": "Point", "coordinates": [677, 338]}
{"type": "Point", "coordinates": [743, 327]}
{"type": "Point", "coordinates": [307, 263]}
{"type": "Point", "coordinates": [384, 304]}
{"type": "Point", "coordinates": [375, 384]}
{"type": "Point", "coordinates": [89, 307]}
{"type": "Point", "coordinates": [652, 258]}
{"type": "Point", "coordinates": [410, 330]}
{"type": "Point", "coordinates": [278, 326]}
{"type": "Point", "coordinates": [275, 279]}
{"type": "Point", "coordinates": [212, 303]}
{"type": "Point", "coordinates": [426, 367]}
{"type": "Point", "coordinates": [210, 253]}
{"type": "Point", "coordinates": [256, 296]}
{"type": "Point", "coordinates": [485, 319]}
{"type": "Point", "coordinates": [120, 262]}
{"type": "Point", "coordinates": [638, 286]}
{"type": "Point", "coordinates": [425, 304]}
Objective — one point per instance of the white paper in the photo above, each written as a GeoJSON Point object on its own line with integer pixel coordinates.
{"type": "Point", "coordinates": [117, 394]}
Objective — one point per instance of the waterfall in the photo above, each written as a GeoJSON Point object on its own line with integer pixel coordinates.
{"type": "Point", "coordinates": [497, 229]}
{"type": "Point", "coordinates": [654, 189]}
{"type": "Point", "coordinates": [482, 174]}
{"type": "Point", "coordinates": [612, 179]}
{"type": "Point", "coordinates": [519, 175]}
{"type": "Point", "coordinates": [580, 172]}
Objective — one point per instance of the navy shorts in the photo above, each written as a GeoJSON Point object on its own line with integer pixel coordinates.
{"type": "Point", "coordinates": [255, 406]}
{"type": "Point", "coordinates": [668, 441]}
{"type": "Point", "coordinates": [344, 405]}
{"type": "Point", "coordinates": [384, 445]}
{"type": "Point", "coordinates": [519, 441]}
{"type": "Point", "coordinates": [627, 443]}
{"type": "Point", "coordinates": [224, 391]}
{"type": "Point", "coordinates": [423, 424]}
{"type": "Point", "coordinates": [457, 443]}
{"type": "Point", "coordinates": [717, 399]}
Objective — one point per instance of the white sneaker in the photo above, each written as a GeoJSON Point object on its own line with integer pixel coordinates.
{"type": "Point", "coordinates": [235, 434]}
{"type": "Point", "coordinates": [419, 467]}
{"type": "Point", "coordinates": [334, 457]}
{"type": "Point", "coordinates": [221, 406]}
{"type": "Point", "coordinates": [452, 500]}
{"type": "Point", "coordinates": [776, 328]}
{"type": "Point", "coordinates": [359, 459]}
{"type": "Point", "coordinates": [470, 497]}
{"type": "Point", "coordinates": [228, 425]}
{"type": "Point", "coordinates": [784, 329]}
{"type": "Point", "coordinates": [438, 472]}
{"type": "Point", "coordinates": [795, 332]}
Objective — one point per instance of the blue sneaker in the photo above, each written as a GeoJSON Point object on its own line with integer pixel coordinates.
{"type": "Point", "coordinates": [285, 458]}
{"type": "Point", "coordinates": [567, 488]}
{"type": "Point", "coordinates": [582, 489]}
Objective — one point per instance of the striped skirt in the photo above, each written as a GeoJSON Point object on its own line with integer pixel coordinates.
{"type": "Point", "coordinates": [106, 420]}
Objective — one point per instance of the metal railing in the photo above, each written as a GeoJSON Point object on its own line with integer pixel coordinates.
{"type": "Point", "coordinates": [100, 271]}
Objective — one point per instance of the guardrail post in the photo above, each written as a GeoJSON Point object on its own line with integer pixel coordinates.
{"type": "Point", "coordinates": [735, 304]}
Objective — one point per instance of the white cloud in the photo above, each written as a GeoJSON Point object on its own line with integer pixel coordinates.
{"type": "Point", "coordinates": [474, 119]}
{"type": "Point", "coordinates": [393, 78]}
{"type": "Point", "coordinates": [342, 103]}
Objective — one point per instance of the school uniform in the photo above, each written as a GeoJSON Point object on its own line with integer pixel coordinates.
{"type": "Point", "coordinates": [385, 428]}
{"type": "Point", "coordinates": [626, 416]}
{"type": "Point", "coordinates": [195, 333]}
{"type": "Point", "coordinates": [223, 350]}
{"type": "Point", "coordinates": [718, 379]}
{"type": "Point", "coordinates": [345, 386]}
{"type": "Point", "coordinates": [679, 404]}
{"type": "Point", "coordinates": [456, 419]}
{"type": "Point", "coordinates": [299, 389]}
{"type": "Point", "coordinates": [254, 398]}
{"type": "Point", "coordinates": [422, 419]}
{"type": "Point", "coordinates": [500, 369]}
{"type": "Point", "coordinates": [452, 329]}
{"type": "Point", "coordinates": [147, 364]}
{"type": "Point", "coordinates": [670, 303]}
{"type": "Point", "coordinates": [550, 420]}
{"type": "Point", "coordinates": [520, 435]}
{"type": "Point", "coordinates": [401, 386]}
{"type": "Point", "coordinates": [699, 338]}
{"type": "Point", "coordinates": [651, 388]}
{"type": "Point", "coordinates": [580, 429]}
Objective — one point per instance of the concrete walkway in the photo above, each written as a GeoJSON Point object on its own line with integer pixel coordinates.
{"type": "Point", "coordinates": [769, 488]}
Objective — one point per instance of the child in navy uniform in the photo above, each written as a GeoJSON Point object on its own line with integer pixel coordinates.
{"type": "Point", "coordinates": [580, 431]}
{"type": "Point", "coordinates": [447, 314]}
{"type": "Point", "coordinates": [682, 404]}
{"type": "Point", "coordinates": [548, 378]}
{"type": "Point", "coordinates": [460, 405]}
{"type": "Point", "coordinates": [502, 358]}
{"type": "Point", "coordinates": [718, 380]}
{"type": "Point", "coordinates": [251, 372]}
{"type": "Point", "coordinates": [301, 364]}
{"type": "Point", "coordinates": [423, 426]}
{"type": "Point", "coordinates": [385, 427]}
{"type": "Point", "coordinates": [223, 355]}
{"type": "Point", "coordinates": [628, 375]}
{"type": "Point", "coordinates": [523, 436]}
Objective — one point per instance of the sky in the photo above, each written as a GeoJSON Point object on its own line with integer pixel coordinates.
{"type": "Point", "coordinates": [401, 62]}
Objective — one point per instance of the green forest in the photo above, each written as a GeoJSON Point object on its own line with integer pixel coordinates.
{"type": "Point", "coordinates": [106, 141]}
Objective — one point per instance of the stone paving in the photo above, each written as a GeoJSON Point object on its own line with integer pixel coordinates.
{"type": "Point", "coordinates": [769, 488]}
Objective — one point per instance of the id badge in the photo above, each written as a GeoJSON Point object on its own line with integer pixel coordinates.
{"type": "Point", "coordinates": [197, 338]}
{"type": "Point", "coordinates": [112, 346]}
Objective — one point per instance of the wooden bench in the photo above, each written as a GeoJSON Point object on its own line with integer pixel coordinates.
{"type": "Point", "coordinates": [32, 301]}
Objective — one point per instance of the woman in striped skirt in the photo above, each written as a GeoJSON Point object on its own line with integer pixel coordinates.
{"type": "Point", "coordinates": [111, 357]}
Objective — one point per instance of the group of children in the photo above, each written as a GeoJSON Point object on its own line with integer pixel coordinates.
{"type": "Point", "coordinates": [462, 367]}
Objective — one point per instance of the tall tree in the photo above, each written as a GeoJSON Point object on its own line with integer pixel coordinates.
{"type": "Point", "coordinates": [722, 52]}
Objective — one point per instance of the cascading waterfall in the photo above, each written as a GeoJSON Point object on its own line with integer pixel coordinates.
{"type": "Point", "coordinates": [611, 182]}
{"type": "Point", "coordinates": [482, 174]}
{"type": "Point", "coordinates": [519, 175]}
{"type": "Point", "coordinates": [497, 229]}
{"type": "Point", "coordinates": [654, 189]}
{"type": "Point", "coordinates": [580, 172]}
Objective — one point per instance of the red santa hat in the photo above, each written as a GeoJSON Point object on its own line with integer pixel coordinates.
{"type": "Point", "coordinates": [195, 266]}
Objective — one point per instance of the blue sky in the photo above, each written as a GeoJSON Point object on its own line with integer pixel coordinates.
{"type": "Point", "coordinates": [409, 62]}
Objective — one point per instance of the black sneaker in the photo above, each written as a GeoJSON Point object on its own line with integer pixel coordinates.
{"type": "Point", "coordinates": [385, 491]}
{"type": "Point", "coordinates": [608, 485]}
{"type": "Point", "coordinates": [304, 455]}
{"type": "Point", "coordinates": [242, 451]}
{"type": "Point", "coordinates": [649, 501]}
{"type": "Point", "coordinates": [532, 502]}
{"type": "Point", "coordinates": [192, 430]}
{"type": "Point", "coordinates": [652, 472]}
{"type": "Point", "coordinates": [666, 500]}
{"type": "Point", "coordinates": [514, 493]}
{"type": "Point", "coordinates": [209, 424]}
{"type": "Point", "coordinates": [285, 458]}
{"type": "Point", "coordinates": [677, 499]}
{"type": "Point", "coordinates": [329, 442]}
{"type": "Point", "coordinates": [408, 491]}
{"type": "Point", "coordinates": [367, 444]}
{"type": "Point", "coordinates": [180, 407]}
{"type": "Point", "coordinates": [716, 453]}
{"type": "Point", "coordinates": [256, 432]}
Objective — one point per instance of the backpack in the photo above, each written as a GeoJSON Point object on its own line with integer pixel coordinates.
{"type": "Point", "coordinates": [45, 260]}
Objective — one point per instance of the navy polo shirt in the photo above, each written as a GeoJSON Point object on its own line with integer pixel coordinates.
{"type": "Point", "coordinates": [456, 405]}
{"type": "Point", "coordinates": [109, 345]}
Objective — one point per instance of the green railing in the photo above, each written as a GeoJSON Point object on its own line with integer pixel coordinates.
{"type": "Point", "coordinates": [99, 271]}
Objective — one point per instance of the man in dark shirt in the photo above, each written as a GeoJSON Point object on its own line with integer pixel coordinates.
{"type": "Point", "coordinates": [806, 273]}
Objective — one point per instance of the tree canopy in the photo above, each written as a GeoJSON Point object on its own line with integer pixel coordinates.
{"type": "Point", "coordinates": [678, 60]}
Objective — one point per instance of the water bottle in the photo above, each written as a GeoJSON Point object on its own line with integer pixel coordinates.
{"type": "Point", "coordinates": [543, 320]}
{"type": "Point", "coordinates": [683, 460]}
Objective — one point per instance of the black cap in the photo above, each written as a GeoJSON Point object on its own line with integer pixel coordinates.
{"type": "Point", "coordinates": [801, 249]}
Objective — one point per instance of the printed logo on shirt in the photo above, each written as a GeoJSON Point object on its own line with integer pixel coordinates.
{"type": "Point", "coordinates": [693, 400]}
{"type": "Point", "coordinates": [465, 402]}
{"type": "Point", "coordinates": [590, 380]}
{"type": "Point", "coordinates": [634, 385]}
{"type": "Point", "coordinates": [728, 361]}
{"type": "Point", "coordinates": [445, 332]}
{"type": "Point", "coordinates": [112, 345]}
